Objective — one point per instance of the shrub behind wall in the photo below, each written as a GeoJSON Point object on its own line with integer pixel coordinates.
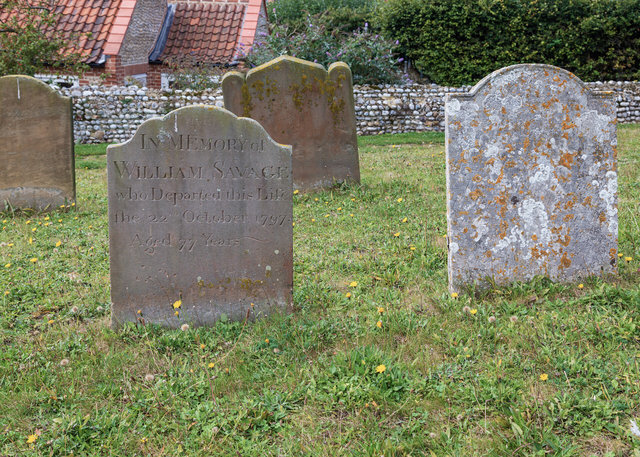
{"type": "Point", "coordinates": [459, 42]}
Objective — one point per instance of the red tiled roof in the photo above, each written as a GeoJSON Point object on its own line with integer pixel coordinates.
{"type": "Point", "coordinates": [205, 32]}
{"type": "Point", "coordinates": [94, 27]}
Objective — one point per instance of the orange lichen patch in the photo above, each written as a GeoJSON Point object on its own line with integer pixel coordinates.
{"type": "Point", "coordinates": [534, 237]}
{"type": "Point", "coordinates": [566, 160]}
{"type": "Point", "coordinates": [503, 229]}
{"type": "Point", "coordinates": [602, 218]}
{"type": "Point", "coordinates": [463, 213]}
{"type": "Point", "coordinates": [465, 230]}
{"type": "Point", "coordinates": [613, 253]}
{"type": "Point", "coordinates": [474, 123]}
{"type": "Point", "coordinates": [526, 143]}
{"type": "Point", "coordinates": [565, 135]}
{"type": "Point", "coordinates": [567, 124]}
{"type": "Point", "coordinates": [568, 217]}
{"type": "Point", "coordinates": [475, 194]}
{"type": "Point", "coordinates": [510, 164]}
{"type": "Point", "coordinates": [503, 110]}
{"type": "Point", "coordinates": [477, 178]}
{"type": "Point", "coordinates": [565, 242]}
{"type": "Point", "coordinates": [565, 262]}
{"type": "Point", "coordinates": [487, 253]}
{"type": "Point", "coordinates": [587, 201]}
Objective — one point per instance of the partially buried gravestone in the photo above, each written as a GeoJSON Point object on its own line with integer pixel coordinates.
{"type": "Point", "coordinates": [301, 104]}
{"type": "Point", "coordinates": [200, 220]}
{"type": "Point", "coordinates": [531, 178]}
{"type": "Point", "coordinates": [36, 145]}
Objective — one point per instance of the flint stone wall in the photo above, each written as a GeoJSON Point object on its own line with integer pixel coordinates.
{"type": "Point", "coordinates": [112, 114]}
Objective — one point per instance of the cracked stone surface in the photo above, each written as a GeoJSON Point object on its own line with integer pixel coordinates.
{"type": "Point", "coordinates": [531, 179]}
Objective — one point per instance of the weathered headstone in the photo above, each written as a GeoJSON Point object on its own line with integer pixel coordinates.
{"type": "Point", "coordinates": [200, 216]}
{"type": "Point", "coordinates": [531, 178]}
{"type": "Point", "coordinates": [36, 145]}
{"type": "Point", "coordinates": [301, 104]}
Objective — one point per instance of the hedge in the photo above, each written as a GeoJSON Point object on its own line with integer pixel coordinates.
{"type": "Point", "coordinates": [455, 42]}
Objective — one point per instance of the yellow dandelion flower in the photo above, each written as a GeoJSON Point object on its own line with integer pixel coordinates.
{"type": "Point", "coordinates": [6, 292]}
{"type": "Point", "coordinates": [353, 284]}
{"type": "Point", "coordinates": [353, 199]}
{"type": "Point", "coordinates": [266, 340]}
{"type": "Point", "coordinates": [34, 229]}
{"type": "Point", "coordinates": [620, 254]}
{"type": "Point", "coordinates": [31, 439]}
{"type": "Point", "coordinates": [139, 311]}
{"type": "Point", "coordinates": [628, 259]}
{"type": "Point", "coordinates": [7, 265]}
{"type": "Point", "coordinates": [473, 311]}
{"type": "Point", "coordinates": [454, 294]}
{"type": "Point", "coordinates": [73, 204]}
{"type": "Point", "coordinates": [30, 240]}
{"type": "Point", "coordinates": [61, 206]}
{"type": "Point", "coordinates": [75, 218]}
{"type": "Point", "coordinates": [381, 369]}
{"type": "Point", "coordinates": [47, 218]}
{"type": "Point", "coordinates": [348, 295]}
{"type": "Point", "coordinates": [5, 221]}
{"type": "Point", "coordinates": [404, 220]}
{"type": "Point", "coordinates": [10, 244]}
{"type": "Point", "coordinates": [143, 440]}
{"type": "Point", "coordinates": [296, 192]}
{"type": "Point", "coordinates": [399, 200]}
{"type": "Point", "coordinates": [339, 208]}
{"type": "Point", "coordinates": [326, 215]}
{"type": "Point", "coordinates": [380, 309]}
{"type": "Point", "coordinates": [397, 234]}
{"type": "Point", "coordinates": [211, 365]}
{"type": "Point", "coordinates": [177, 304]}
{"type": "Point", "coordinates": [28, 222]}
{"type": "Point", "coordinates": [59, 220]}
{"type": "Point", "coordinates": [202, 346]}
{"type": "Point", "coordinates": [50, 321]}
{"type": "Point", "coordinates": [252, 305]}
{"type": "Point", "coordinates": [315, 199]}
{"type": "Point", "coordinates": [580, 286]}
{"type": "Point", "coordinates": [351, 214]}
{"type": "Point", "coordinates": [413, 248]}
{"type": "Point", "coordinates": [379, 324]}
{"type": "Point", "coordinates": [58, 243]}
{"type": "Point", "coordinates": [46, 224]}
{"type": "Point", "coordinates": [544, 377]}
{"type": "Point", "coordinates": [313, 220]}
{"type": "Point", "coordinates": [34, 260]}
{"type": "Point", "coordinates": [293, 224]}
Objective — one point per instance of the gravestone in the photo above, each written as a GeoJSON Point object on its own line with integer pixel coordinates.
{"type": "Point", "coordinates": [36, 145]}
{"type": "Point", "coordinates": [301, 104]}
{"type": "Point", "coordinates": [200, 220]}
{"type": "Point", "coordinates": [531, 178]}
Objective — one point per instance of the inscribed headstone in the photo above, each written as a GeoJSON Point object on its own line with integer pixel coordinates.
{"type": "Point", "coordinates": [36, 145]}
{"type": "Point", "coordinates": [301, 104]}
{"type": "Point", "coordinates": [200, 220]}
{"type": "Point", "coordinates": [531, 178]}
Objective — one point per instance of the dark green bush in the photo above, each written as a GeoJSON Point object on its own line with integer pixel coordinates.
{"type": "Point", "coordinates": [340, 13]}
{"type": "Point", "coordinates": [461, 41]}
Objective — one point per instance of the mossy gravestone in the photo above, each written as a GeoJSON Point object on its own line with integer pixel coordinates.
{"type": "Point", "coordinates": [531, 178]}
{"type": "Point", "coordinates": [36, 145]}
{"type": "Point", "coordinates": [200, 220]}
{"type": "Point", "coordinates": [301, 104]}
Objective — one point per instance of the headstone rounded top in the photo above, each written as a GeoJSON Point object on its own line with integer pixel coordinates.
{"type": "Point", "coordinates": [220, 116]}
{"type": "Point", "coordinates": [30, 80]}
{"type": "Point", "coordinates": [509, 74]}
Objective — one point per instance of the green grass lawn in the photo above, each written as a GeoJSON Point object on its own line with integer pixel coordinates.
{"type": "Point", "coordinates": [533, 369]}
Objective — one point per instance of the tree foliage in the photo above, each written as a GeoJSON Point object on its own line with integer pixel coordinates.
{"type": "Point", "coordinates": [460, 41]}
{"type": "Point", "coordinates": [30, 42]}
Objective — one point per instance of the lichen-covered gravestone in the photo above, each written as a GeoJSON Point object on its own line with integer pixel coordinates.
{"type": "Point", "coordinates": [301, 104]}
{"type": "Point", "coordinates": [531, 178]}
{"type": "Point", "coordinates": [200, 220]}
{"type": "Point", "coordinates": [36, 145]}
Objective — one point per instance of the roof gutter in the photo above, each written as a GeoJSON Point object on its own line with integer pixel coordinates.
{"type": "Point", "coordinates": [161, 42]}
